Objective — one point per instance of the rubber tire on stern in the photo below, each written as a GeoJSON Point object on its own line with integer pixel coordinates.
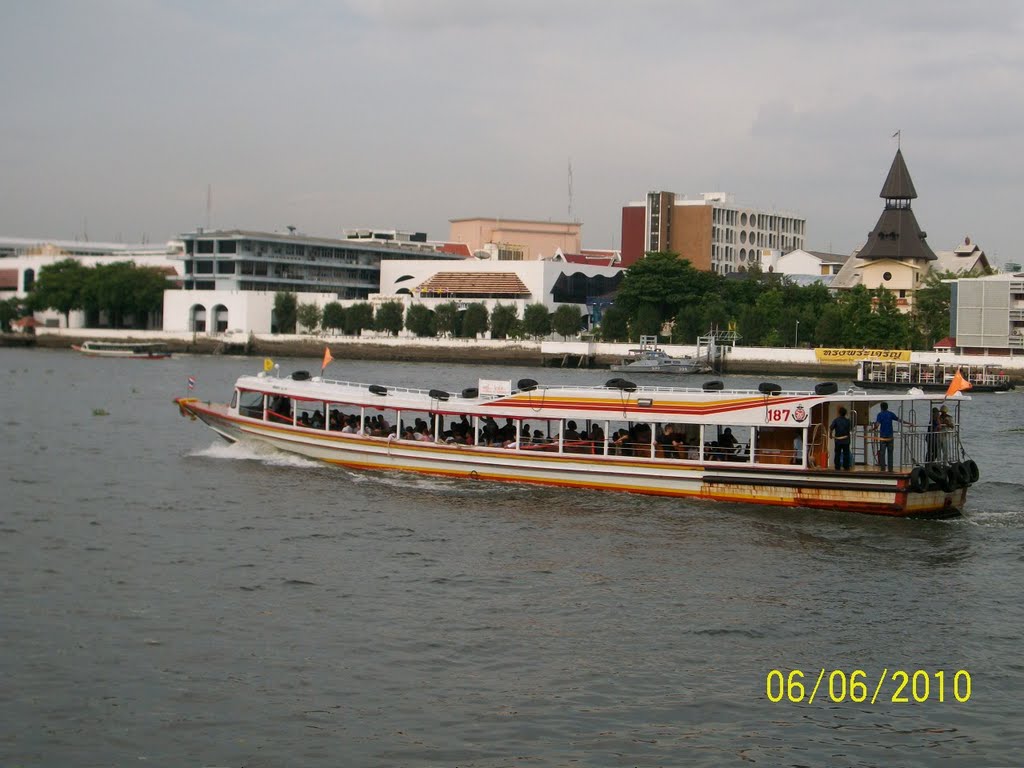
{"type": "Point", "coordinates": [918, 480]}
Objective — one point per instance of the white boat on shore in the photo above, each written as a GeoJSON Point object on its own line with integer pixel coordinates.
{"type": "Point", "coordinates": [124, 349]}
{"type": "Point", "coordinates": [622, 437]}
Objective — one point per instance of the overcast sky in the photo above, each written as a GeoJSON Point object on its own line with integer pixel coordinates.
{"type": "Point", "coordinates": [116, 115]}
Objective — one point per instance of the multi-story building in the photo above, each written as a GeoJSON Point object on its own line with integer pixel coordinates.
{"type": "Point", "coordinates": [987, 314]}
{"type": "Point", "coordinates": [711, 230]}
{"type": "Point", "coordinates": [230, 277]}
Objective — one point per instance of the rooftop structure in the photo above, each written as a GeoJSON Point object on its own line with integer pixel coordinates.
{"type": "Point", "coordinates": [515, 239]}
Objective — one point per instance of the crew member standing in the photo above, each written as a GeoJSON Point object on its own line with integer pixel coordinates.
{"type": "Point", "coordinates": [839, 431]}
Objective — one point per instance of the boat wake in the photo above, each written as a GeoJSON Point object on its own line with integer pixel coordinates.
{"type": "Point", "coordinates": [264, 454]}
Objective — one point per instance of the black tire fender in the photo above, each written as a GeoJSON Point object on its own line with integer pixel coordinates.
{"type": "Point", "coordinates": [918, 480]}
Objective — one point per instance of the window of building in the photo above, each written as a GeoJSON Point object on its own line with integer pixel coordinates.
{"type": "Point", "coordinates": [887, 276]}
{"type": "Point", "coordinates": [204, 246]}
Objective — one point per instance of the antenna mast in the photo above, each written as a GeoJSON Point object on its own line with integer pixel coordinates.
{"type": "Point", "coordinates": [209, 204]}
{"type": "Point", "coordinates": [570, 190]}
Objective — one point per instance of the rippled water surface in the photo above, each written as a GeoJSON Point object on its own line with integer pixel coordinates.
{"type": "Point", "coordinates": [172, 600]}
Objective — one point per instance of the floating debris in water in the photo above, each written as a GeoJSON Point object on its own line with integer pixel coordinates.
{"type": "Point", "coordinates": [100, 412]}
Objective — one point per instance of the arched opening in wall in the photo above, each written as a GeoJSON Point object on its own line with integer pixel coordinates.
{"type": "Point", "coordinates": [29, 279]}
{"type": "Point", "coordinates": [403, 291]}
{"type": "Point", "coordinates": [219, 319]}
{"type": "Point", "coordinates": [197, 318]}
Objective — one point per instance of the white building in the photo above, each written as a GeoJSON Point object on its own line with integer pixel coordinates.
{"type": "Point", "coordinates": [22, 259]}
{"type": "Point", "coordinates": [802, 263]}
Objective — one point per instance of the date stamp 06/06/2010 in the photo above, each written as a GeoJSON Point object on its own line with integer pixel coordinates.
{"type": "Point", "coordinates": [897, 686]}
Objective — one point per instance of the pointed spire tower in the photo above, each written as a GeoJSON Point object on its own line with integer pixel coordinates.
{"type": "Point", "coordinates": [897, 234]}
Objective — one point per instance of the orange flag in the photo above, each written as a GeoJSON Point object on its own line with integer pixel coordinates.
{"type": "Point", "coordinates": [328, 357]}
{"type": "Point", "coordinates": [958, 383]}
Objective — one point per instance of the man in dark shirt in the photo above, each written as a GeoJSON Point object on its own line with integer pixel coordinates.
{"type": "Point", "coordinates": [839, 431]}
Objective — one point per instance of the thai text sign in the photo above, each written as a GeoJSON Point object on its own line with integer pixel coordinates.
{"type": "Point", "coordinates": [853, 355]}
{"type": "Point", "coordinates": [494, 387]}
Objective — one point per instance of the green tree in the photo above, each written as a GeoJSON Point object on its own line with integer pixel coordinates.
{"type": "Point", "coordinates": [357, 318]}
{"type": "Point", "coordinates": [614, 325]}
{"type": "Point", "coordinates": [475, 320]}
{"type": "Point", "coordinates": [930, 317]}
{"type": "Point", "coordinates": [663, 283]}
{"type": "Point", "coordinates": [389, 317]}
{"type": "Point", "coordinates": [446, 318]}
{"type": "Point", "coordinates": [647, 322]}
{"type": "Point", "coordinates": [333, 316]}
{"type": "Point", "coordinates": [11, 309]}
{"type": "Point", "coordinates": [855, 308]}
{"type": "Point", "coordinates": [566, 320]}
{"type": "Point", "coordinates": [60, 286]}
{"type": "Point", "coordinates": [536, 320]}
{"type": "Point", "coordinates": [309, 316]}
{"type": "Point", "coordinates": [420, 320]}
{"type": "Point", "coordinates": [286, 308]}
{"type": "Point", "coordinates": [504, 319]}
{"type": "Point", "coordinates": [887, 327]}
{"type": "Point", "coordinates": [123, 290]}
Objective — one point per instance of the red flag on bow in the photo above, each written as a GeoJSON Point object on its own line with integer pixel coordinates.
{"type": "Point", "coordinates": [327, 358]}
{"type": "Point", "coordinates": [957, 384]}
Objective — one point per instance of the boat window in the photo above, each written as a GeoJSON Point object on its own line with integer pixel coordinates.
{"type": "Point", "coordinates": [725, 442]}
{"type": "Point", "coordinates": [310, 413]}
{"type": "Point", "coordinates": [250, 404]}
{"type": "Point", "coordinates": [234, 399]}
{"type": "Point", "coordinates": [779, 445]}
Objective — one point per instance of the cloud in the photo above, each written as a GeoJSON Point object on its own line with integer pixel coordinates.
{"type": "Point", "coordinates": [404, 114]}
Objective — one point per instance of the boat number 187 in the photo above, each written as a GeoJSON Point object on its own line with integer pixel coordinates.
{"type": "Point", "coordinates": [778, 414]}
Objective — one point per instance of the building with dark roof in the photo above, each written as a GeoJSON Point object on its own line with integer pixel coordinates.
{"type": "Point", "coordinates": [896, 255]}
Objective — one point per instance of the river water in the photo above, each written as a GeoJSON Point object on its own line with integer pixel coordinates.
{"type": "Point", "coordinates": [172, 600]}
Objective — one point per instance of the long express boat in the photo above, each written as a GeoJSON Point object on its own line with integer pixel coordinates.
{"type": "Point", "coordinates": [783, 456]}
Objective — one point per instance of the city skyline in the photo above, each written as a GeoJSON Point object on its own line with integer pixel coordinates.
{"type": "Point", "coordinates": [333, 115]}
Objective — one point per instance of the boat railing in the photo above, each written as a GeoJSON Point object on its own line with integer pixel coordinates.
{"type": "Point", "coordinates": [913, 445]}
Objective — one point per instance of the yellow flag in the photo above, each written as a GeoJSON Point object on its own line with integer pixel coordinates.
{"type": "Point", "coordinates": [327, 358]}
{"type": "Point", "coordinates": [268, 364]}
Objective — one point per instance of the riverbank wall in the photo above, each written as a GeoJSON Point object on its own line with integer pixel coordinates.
{"type": "Point", "coordinates": [778, 361]}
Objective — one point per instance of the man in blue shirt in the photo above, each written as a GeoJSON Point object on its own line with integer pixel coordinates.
{"type": "Point", "coordinates": [883, 423]}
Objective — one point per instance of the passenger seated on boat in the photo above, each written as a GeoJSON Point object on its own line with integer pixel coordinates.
{"type": "Point", "coordinates": [336, 423]}
{"type": "Point", "coordinates": [304, 420]}
{"type": "Point", "coordinates": [597, 438]}
{"type": "Point", "coordinates": [407, 433]}
{"type": "Point", "coordinates": [570, 432]}
{"type": "Point", "coordinates": [488, 431]}
{"type": "Point", "coordinates": [538, 437]}
{"type": "Point", "coordinates": [671, 443]}
{"type": "Point", "coordinates": [317, 422]}
{"type": "Point", "coordinates": [350, 426]}
{"type": "Point", "coordinates": [507, 433]}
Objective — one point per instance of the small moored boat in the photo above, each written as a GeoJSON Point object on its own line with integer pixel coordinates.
{"type": "Point", "coordinates": [649, 358]}
{"type": "Point", "coordinates": [765, 446]}
{"type": "Point", "coordinates": [131, 350]}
